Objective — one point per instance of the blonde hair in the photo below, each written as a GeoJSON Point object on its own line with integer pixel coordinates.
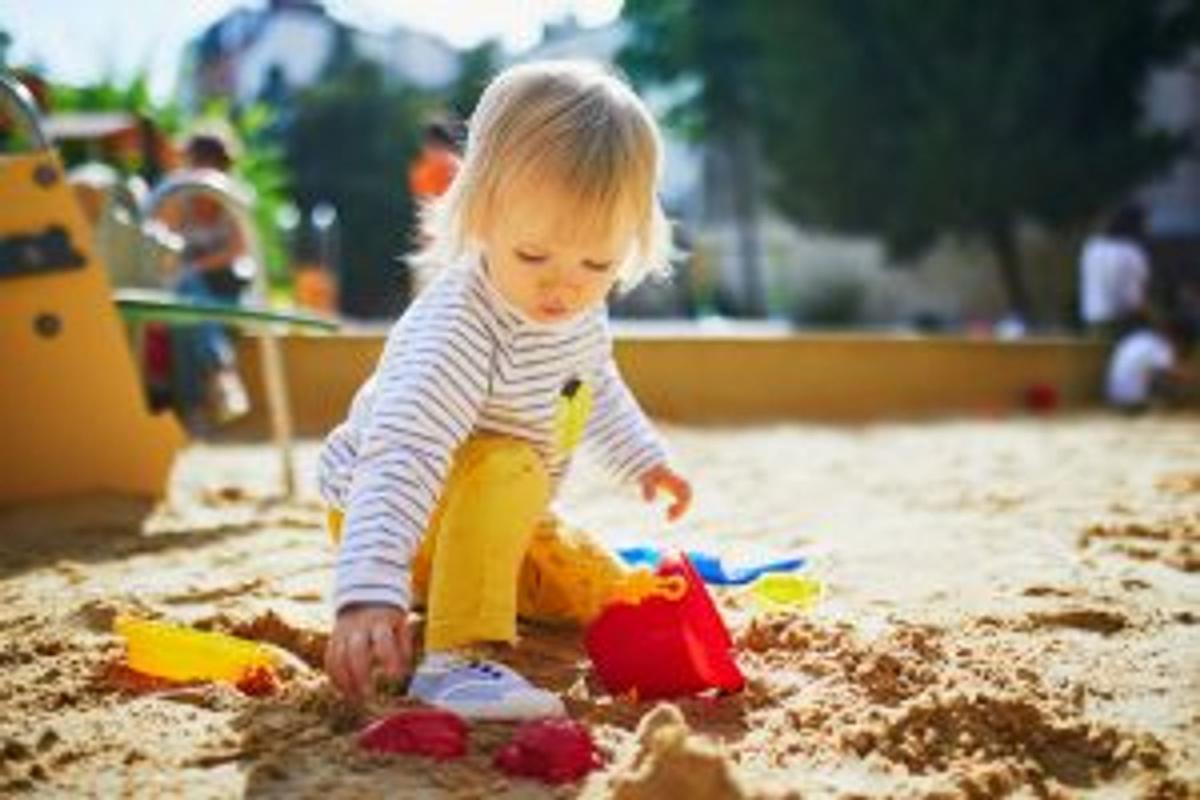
{"type": "Point", "coordinates": [567, 125]}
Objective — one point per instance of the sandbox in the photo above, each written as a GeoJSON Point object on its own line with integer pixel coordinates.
{"type": "Point", "coordinates": [1013, 606]}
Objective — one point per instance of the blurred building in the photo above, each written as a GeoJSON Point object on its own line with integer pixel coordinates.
{"type": "Point", "coordinates": [253, 54]}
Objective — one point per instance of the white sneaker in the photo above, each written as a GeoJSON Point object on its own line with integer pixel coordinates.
{"type": "Point", "coordinates": [481, 690]}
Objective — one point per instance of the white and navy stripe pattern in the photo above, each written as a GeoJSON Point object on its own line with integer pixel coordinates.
{"type": "Point", "coordinates": [462, 360]}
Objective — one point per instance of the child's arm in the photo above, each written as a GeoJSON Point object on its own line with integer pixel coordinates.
{"type": "Point", "coordinates": [429, 389]}
{"type": "Point", "coordinates": [618, 430]}
{"type": "Point", "coordinates": [628, 444]}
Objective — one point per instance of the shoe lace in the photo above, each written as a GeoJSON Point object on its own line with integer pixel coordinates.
{"type": "Point", "coordinates": [485, 668]}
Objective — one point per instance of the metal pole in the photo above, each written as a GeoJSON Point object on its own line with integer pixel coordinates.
{"type": "Point", "coordinates": [17, 101]}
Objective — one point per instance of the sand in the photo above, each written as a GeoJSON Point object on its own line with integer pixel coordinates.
{"type": "Point", "coordinates": [1013, 608]}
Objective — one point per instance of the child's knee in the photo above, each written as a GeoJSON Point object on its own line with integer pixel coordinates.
{"type": "Point", "coordinates": [502, 462]}
{"type": "Point", "coordinates": [567, 575]}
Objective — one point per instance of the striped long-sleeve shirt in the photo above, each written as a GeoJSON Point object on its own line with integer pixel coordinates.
{"type": "Point", "coordinates": [462, 360]}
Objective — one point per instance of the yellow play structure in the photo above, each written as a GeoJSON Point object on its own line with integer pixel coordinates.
{"type": "Point", "coordinates": [73, 415]}
{"type": "Point", "coordinates": [73, 418]}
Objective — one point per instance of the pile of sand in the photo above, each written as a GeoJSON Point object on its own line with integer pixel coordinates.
{"type": "Point", "coordinates": [667, 759]}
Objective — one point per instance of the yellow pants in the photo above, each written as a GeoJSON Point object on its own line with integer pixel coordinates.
{"type": "Point", "coordinates": [492, 551]}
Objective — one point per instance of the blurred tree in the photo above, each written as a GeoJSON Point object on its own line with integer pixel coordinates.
{"type": "Point", "coordinates": [131, 96]}
{"type": "Point", "coordinates": [111, 94]}
{"type": "Point", "coordinates": [476, 67]}
{"type": "Point", "coordinates": [702, 50]}
{"type": "Point", "coordinates": [349, 144]}
{"type": "Point", "coordinates": [912, 120]}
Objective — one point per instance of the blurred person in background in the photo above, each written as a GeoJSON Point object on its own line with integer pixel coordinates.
{"type": "Point", "coordinates": [214, 267]}
{"type": "Point", "coordinates": [1114, 276]}
{"type": "Point", "coordinates": [1145, 369]}
{"type": "Point", "coordinates": [436, 164]}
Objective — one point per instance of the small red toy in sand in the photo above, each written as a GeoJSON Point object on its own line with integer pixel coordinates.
{"type": "Point", "coordinates": [551, 750]}
{"type": "Point", "coordinates": [1041, 398]}
{"type": "Point", "coordinates": [667, 640]}
{"type": "Point", "coordinates": [419, 731]}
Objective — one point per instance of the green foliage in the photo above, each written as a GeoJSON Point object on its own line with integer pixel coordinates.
{"type": "Point", "coordinates": [913, 119]}
{"type": "Point", "coordinates": [131, 96]}
{"type": "Point", "coordinates": [260, 165]}
{"type": "Point", "coordinates": [702, 50]}
{"type": "Point", "coordinates": [349, 144]}
{"type": "Point", "coordinates": [701, 54]}
{"type": "Point", "coordinates": [110, 94]}
{"type": "Point", "coordinates": [477, 66]}
{"type": "Point", "coordinates": [908, 120]}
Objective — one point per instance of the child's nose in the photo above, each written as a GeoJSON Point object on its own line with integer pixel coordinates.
{"type": "Point", "coordinates": [558, 278]}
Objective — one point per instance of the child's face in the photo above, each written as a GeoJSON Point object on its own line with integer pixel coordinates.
{"type": "Point", "coordinates": [545, 270]}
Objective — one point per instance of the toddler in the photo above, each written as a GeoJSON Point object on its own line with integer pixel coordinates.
{"type": "Point", "coordinates": [440, 480]}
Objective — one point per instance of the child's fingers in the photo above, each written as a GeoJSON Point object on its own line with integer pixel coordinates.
{"type": "Point", "coordinates": [336, 665]}
{"type": "Point", "coordinates": [683, 500]}
{"type": "Point", "coordinates": [403, 645]}
{"type": "Point", "coordinates": [331, 666]}
{"type": "Point", "coordinates": [387, 650]}
{"type": "Point", "coordinates": [676, 510]}
{"type": "Point", "coordinates": [358, 660]}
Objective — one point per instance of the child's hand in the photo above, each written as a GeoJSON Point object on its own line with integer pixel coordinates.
{"type": "Point", "coordinates": [364, 637]}
{"type": "Point", "coordinates": [663, 477]}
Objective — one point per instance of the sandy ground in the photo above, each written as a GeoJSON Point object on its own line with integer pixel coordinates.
{"type": "Point", "coordinates": [1013, 608]}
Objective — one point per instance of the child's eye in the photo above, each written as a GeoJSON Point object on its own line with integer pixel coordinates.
{"type": "Point", "coordinates": [531, 258]}
{"type": "Point", "coordinates": [598, 266]}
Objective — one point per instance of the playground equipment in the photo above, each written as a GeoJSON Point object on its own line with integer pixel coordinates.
{"type": "Point", "coordinates": [73, 416]}
{"type": "Point", "coordinates": [222, 189]}
{"type": "Point", "coordinates": [136, 255]}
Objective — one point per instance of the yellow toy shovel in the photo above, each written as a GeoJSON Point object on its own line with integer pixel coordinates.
{"type": "Point", "coordinates": [179, 653]}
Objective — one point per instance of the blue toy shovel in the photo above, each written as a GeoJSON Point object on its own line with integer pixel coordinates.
{"type": "Point", "coordinates": [710, 567]}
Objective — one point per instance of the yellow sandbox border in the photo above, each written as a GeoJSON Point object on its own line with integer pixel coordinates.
{"type": "Point", "coordinates": [730, 378]}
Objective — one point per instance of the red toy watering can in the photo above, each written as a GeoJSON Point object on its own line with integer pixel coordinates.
{"type": "Point", "coordinates": [661, 636]}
